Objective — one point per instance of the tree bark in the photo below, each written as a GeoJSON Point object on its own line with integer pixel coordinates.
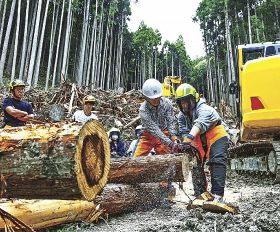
{"type": "Point", "coordinates": [62, 161]}
{"type": "Point", "coordinates": [119, 199]}
{"type": "Point", "coordinates": [149, 169]}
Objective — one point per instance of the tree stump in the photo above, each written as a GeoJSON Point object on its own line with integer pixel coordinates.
{"type": "Point", "coordinates": [149, 169]}
{"type": "Point", "coordinates": [54, 161]}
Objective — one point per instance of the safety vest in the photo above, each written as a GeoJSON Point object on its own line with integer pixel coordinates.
{"type": "Point", "coordinates": [212, 136]}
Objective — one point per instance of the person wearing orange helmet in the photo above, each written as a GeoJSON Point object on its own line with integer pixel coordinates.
{"type": "Point", "coordinates": [16, 111]}
{"type": "Point", "coordinates": [82, 116]}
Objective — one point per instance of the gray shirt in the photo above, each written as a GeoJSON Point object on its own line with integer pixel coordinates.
{"type": "Point", "coordinates": [157, 119]}
{"type": "Point", "coordinates": [204, 117]}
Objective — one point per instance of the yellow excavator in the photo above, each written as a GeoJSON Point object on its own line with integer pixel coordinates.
{"type": "Point", "coordinates": [258, 94]}
{"type": "Point", "coordinates": [170, 84]}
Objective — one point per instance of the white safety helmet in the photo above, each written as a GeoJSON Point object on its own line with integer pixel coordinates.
{"type": "Point", "coordinates": [152, 89]}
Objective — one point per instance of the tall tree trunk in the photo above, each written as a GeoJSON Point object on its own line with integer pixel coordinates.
{"type": "Point", "coordinates": [54, 24]}
{"type": "Point", "coordinates": [6, 41]}
{"type": "Point", "coordinates": [31, 29]}
{"type": "Point", "coordinates": [94, 53]}
{"type": "Point", "coordinates": [16, 43]}
{"type": "Point", "coordinates": [3, 22]}
{"type": "Point", "coordinates": [58, 46]}
{"type": "Point", "coordinates": [231, 71]}
{"type": "Point", "coordinates": [92, 42]}
{"type": "Point", "coordinates": [83, 43]}
{"type": "Point", "coordinates": [277, 21]}
{"type": "Point", "coordinates": [249, 22]}
{"type": "Point", "coordinates": [257, 29]}
{"type": "Point", "coordinates": [39, 52]}
{"type": "Point", "coordinates": [67, 43]}
{"type": "Point", "coordinates": [34, 45]}
{"type": "Point", "coordinates": [25, 38]}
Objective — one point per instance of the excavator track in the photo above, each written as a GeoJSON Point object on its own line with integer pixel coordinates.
{"type": "Point", "coordinates": [261, 157]}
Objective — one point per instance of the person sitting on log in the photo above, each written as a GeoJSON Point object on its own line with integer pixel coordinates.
{"type": "Point", "coordinates": [134, 143]}
{"type": "Point", "coordinates": [117, 146]}
{"type": "Point", "coordinates": [201, 125]}
{"type": "Point", "coordinates": [16, 111]}
{"type": "Point", "coordinates": [82, 116]}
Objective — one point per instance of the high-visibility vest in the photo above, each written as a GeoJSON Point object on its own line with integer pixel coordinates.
{"type": "Point", "coordinates": [212, 136]}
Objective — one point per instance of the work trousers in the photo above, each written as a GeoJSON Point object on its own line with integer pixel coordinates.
{"type": "Point", "coordinates": [217, 166]}
{"type": "Point", "coordinates": [147, 142]}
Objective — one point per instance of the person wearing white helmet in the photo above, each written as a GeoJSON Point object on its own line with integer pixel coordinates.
{"type": "Point", "coordinates": [158, 124]}
{"type": "Point", "coordinates": [82, 116]}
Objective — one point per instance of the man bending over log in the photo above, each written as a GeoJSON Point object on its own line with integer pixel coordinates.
{"type": "Point", "coordinates": [158, 125]}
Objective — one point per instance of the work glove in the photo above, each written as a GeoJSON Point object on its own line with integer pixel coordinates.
{"type": "Point", "coordinates": [184, 147]}
{"type": "Point", "coordinates": [175, 139]}
{"type": "Point", "coordinates": [188, 138]}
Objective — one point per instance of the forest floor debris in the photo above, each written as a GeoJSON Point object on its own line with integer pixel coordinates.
{"type": "Point", "coordinates": [257, 198]}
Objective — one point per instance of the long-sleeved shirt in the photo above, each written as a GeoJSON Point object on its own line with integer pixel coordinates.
{"type": "Point", "coordinates": [157, 119]}
{"type": "Point", "coordinates": [204, 117]}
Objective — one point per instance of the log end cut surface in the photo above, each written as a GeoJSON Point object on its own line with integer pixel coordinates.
{"type": "Point", "coordinates": [92, 159]}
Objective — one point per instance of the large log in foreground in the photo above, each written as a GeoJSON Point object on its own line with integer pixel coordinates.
{"type": "Point", "coordinates": [149, 169]}
{"type": "Point", "coordinates": [54, 161]}
{"type": "Point", "coordinates": [39, 214]}
{"type": "Point", "coordinates": [119, 198]}
{"type": "Point", "coordinates": [115, 199]}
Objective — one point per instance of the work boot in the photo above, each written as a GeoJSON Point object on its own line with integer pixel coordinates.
{"type": "Point", "coordinates": [218, 205]}
{"type": "Point", "coordinates": [199, 200]}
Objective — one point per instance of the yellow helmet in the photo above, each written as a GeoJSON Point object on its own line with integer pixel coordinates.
{"type": "Point", "coordinates": [185, 90]}
{"type": "Point", "coordinates": [89, 98]}
{"type": "Point", "coordinates": [15, 83]}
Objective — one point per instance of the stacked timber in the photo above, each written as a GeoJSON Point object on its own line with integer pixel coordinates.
{"type": "Point", "coordinates": [69, 165]}
{"type": "Point", "coordinates": [54, 161]}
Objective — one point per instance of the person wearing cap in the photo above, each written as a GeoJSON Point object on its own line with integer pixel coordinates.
{"type": "Point", "coordinates": [158, 124]}
{"type": "Point", "coordinates": [82, 116]}
{"type": "Point", "coordinates": [17, 112]}
{"type": "Point", "coordinates": [201, 125]}
{"type": "Point", "coordinates": [117, 146]}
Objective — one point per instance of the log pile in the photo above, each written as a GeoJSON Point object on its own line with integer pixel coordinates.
{"type": "Point", "coordinates": [62, 161]}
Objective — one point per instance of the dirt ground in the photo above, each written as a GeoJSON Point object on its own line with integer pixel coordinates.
{"type": "Point", "coordinates": [258, 200]}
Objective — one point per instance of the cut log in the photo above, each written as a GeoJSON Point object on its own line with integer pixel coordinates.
{"type": "Point", "coordinates": [54, 161]}
{"type": "Point", "coordinates": [39, 214]}
{"type": "Point", "coordinates": [149, 169]}
{"type": "Point", "coordinates": [118, 198]}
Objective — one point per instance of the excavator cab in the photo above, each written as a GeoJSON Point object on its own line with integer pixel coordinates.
{"type": "Point", "coordinates": [259, 81]}
{"type": "Point", "coordinates": [170, 84]}
{"type": "Point", "coordinates": [257, 89]}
